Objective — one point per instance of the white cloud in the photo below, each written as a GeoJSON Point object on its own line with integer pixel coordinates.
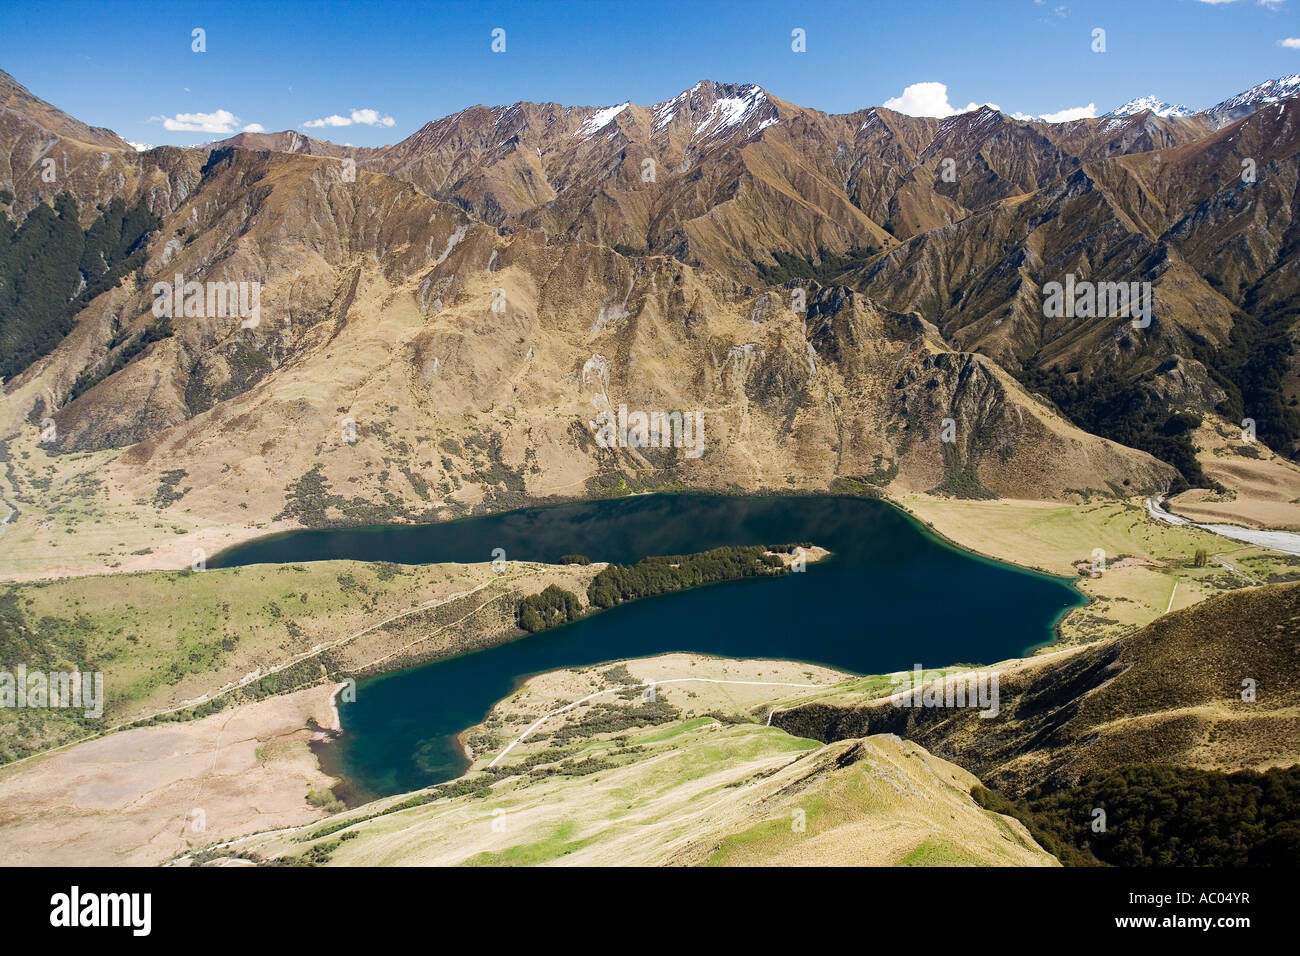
{"type": "Point", "coordinates": [1070, 113]}
{"type": "Point", "coordinates": [1060, 116]}
{"type": "Point", "coordinates": [1291, 43]}
{"type": "Point", "coordinates": [363, 117]}
{"type": "Point", "coordinates": [928, 99]}
{"type": "Point", "coordinates": [931, 99]}
{"type": "Point", "coordinates": [334, 120]}
{"type": "Point", "coordinates": [254, 128]}
{"type": "Point", "coordinates": [220, 121]}
{"type": "Point", "coordinates": [371, 118]}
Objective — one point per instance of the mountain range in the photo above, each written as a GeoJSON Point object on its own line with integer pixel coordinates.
{"type": "Point", "coordinates": [836, 293]}
{"type": "Point", "coordinates": [1233, 108]}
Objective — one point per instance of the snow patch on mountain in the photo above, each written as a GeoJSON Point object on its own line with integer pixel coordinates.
{"type": "Point", "coordinates": [600, 119]}
{"type": "Point", "coordinates": [664, 112]}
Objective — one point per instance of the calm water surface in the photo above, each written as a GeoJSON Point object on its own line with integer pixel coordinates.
{"type": "Point", "coordinates": [893, 595]}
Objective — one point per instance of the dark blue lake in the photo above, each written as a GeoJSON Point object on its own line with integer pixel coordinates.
{"type": "Point", "coordinates": [892, 595]}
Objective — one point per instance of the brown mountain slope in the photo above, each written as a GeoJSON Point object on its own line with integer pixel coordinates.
{"type": "Point", "coordinates": [692, 177]}
{"type": "Point", "coordinates": [581, 171]}
{"type": "Point", "coordinates": [93, 165]}
{"type": "Point", "coordinates": [1218, 251]}
{"type": "Point", "coordinates": [288, 141]}
{"type": "Point", "coordinates": [377, 309]}
{"type": "Point", "coordinates": [19, 105]}
{"type": "Point", "coordinates": [1170, 693]}
{"type": "Point", "coordinates": [996, 207]}
{"type": "Point", "coordinates": [379, 306]}
{"type": "Point", "coordinates": [982, 282]}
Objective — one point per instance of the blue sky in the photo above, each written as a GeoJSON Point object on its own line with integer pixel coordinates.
{"type": "Point", "coordinates": [130, 67]}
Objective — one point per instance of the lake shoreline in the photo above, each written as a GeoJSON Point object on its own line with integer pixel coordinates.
{"type": "Point", "coordinates": [1035, 649]}
{"type": "Point", "coordinates": [883, 555]}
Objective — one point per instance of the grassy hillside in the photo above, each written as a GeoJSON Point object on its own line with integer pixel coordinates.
{"type": "Point", "coordinates": [196, 642]}
{"type": "Point", "coordinates": [692, 777]}
{"type": "Point", "coordinates": [1170, 694]}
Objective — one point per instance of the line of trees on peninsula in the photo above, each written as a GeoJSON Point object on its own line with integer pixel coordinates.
{"type": "Point", "coordinates": [617, 583]}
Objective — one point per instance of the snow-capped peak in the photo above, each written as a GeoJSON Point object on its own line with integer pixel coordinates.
{"type": "Point", "coordinates": [718, 109]}
{"type": "Point", "coordinates": [1270, 91]}
{"type": "Point", "coordinates": [736, 110]}
{"type": "Point", "coordinates": [1152, 103]}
